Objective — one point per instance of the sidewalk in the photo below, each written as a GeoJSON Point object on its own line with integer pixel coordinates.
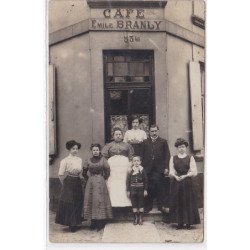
{"type": "Point", "coordinates": [123, 231]}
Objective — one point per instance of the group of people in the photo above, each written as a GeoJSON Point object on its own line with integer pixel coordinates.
{"type": "Point", "coordinates": [129, 171]}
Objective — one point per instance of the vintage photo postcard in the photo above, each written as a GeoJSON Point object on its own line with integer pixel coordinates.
{"type": "Point", "coordinates": [126, 121]}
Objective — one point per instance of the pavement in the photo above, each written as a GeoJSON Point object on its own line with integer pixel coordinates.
{"type": "Point", "coordinates": [125, 232]}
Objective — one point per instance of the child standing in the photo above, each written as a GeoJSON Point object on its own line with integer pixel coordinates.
{"type": "Point", "coordinates": [183, 207]}
{"type": "Point", "coordinates": [71, 199]}
{"type": "Point", "coordinates": [137, 185]}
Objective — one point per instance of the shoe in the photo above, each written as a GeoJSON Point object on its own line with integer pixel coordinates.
{"type": "Point", "coordinates": [180, 226]}
{"type": "Point", "coordinates": [100, 226]}
{"type": "Point", "coordinates": [135, 219]}
{"type": "Point", "coordinates": [147, 210]}
{"type": "Point", "coordinates": [93, 225]}
{"type": "Point", "coordinates": [140, 218]}
{"type": "Point", "coordinates": [72, 229]}
{"type": "Point", "coordinates": [188, 226]}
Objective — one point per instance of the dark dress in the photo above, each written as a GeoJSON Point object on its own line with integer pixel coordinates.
{"type": "Point", "coordinates": [71, 199]}
{"type": "Point", "coordinates": [183, 207]}
{"type": "Point", "coordinates": [97, 205]}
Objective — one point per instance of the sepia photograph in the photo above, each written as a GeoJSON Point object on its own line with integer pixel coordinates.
{"type": "Point", "coordinates": [126, 121]}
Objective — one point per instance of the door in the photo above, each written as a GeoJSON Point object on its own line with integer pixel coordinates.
{"type": "Point", "coordinates": [128, 88]}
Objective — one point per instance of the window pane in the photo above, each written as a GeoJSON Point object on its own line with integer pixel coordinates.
{"type": "Point", "coordinates": [138, 56]}
{"type": "Point", "coordinates": [128, 58]}
{"type": "Point", "coordinates": [146, 69]}
{"type": "Point", "coordinates": [109, 58]}
{"type": "Point", "coordinates": [119, 58]}
{"type": "Point", "coordinates": [138, 79]}
{"type": "Point", "coordinates": [118, 102]}
{"type": "Point", "coordinates": [136, 69]}
{"type": "Point", "coordinates": [120, 69]}
{"type": "Point", "coordinates": [110, 69]}
{"type": "Point", "coordinates": [110, 78]}
{"type": "Point", "coordinates": [120, 121]}
{"type": "Point", "coordinates": [120, 79]}
{"type": "Point", "coordinates": [140, 101]}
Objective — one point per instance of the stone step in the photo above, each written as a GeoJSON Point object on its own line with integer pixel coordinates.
{"type": "Point", "coordinates": [153, 216]}
{"type": "Point", "coordinates": [125, 232]}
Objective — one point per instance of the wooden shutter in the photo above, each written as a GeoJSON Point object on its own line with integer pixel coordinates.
{"type": "Point", "coordinates": [52, 110]}
{"type": "Point", "coordinates": [196, 105]}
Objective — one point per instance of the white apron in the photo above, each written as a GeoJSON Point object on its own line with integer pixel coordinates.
{"type": "Point", "coordinates": [119, 166]}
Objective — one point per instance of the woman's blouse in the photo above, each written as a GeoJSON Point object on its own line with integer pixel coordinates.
{"type": "Point", "coordinates": [96, 166]}
{"type": "Point", "coordinates": [192, 170]}
{"type": "Point", "coordinates": [117, 148]}
{"type": "Point", "coordinates": [70, 165]}
{"type": "Point", "coordinates": [135, 136]}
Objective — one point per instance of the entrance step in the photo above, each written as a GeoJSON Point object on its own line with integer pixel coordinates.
{"type": "Point", "coordinates": [125, 214]}
{"type": "Point", "coordinates": [126, 232]}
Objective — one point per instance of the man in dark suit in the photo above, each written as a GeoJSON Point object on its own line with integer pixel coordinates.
{"type": "Point", "coordinates": [155, 160]}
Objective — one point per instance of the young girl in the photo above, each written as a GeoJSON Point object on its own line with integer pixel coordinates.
{"type": "Point", "coordinates": [71, 200]}
{"type": "Point", "coordinates": [97, 205]}
{"type": "Point", "coordinates": [137, 185]}
{"type": "Point", "coordinates": [183, 208]}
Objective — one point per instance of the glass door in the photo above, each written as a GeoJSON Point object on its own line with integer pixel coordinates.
{"type": "Point", "coordinates": [128, 89]}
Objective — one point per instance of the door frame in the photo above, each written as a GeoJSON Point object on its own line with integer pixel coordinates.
{"type": "Point", "coordinates": [127, 86]}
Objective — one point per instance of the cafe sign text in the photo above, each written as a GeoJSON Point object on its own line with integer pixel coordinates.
{"type": "Point", "coordinates": [126, 20]}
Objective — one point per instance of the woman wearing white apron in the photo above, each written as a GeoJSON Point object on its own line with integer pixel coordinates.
{"type": "Point", "coordinates": [118, 154]}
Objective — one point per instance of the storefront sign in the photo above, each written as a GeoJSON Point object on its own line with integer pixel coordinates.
{"type": "Point", "coordinates": [125, 24]}
{"type": "Point", "coordinates": [126, 20]}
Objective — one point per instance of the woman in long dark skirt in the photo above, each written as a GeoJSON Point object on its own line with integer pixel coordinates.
{"type": "Point", "coordinates": [183, 207]}
{"type": "Point", "coordinates": [97, 205]}
{"type": "Point", "coordinates": [71, 199]}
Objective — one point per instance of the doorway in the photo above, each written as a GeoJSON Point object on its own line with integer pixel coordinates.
{"type": "Point", "coordinates": [128, 89]}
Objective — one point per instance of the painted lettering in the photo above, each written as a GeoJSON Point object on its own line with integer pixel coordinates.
{"type": "Point", "coordinates": [150, 26]}
{"type": "Point", "coordinates": [118, 14]}
{"type": "Point", "coordinates": [140, 14]}
{"type": "Point", "coordinates": [106, 13]}
{"type": "Point", "coordinates": [129, 12]}
{"type": "Point", "coordinates": [128, 24]}
{"type": "Point", "coordinates": [131, 39]}
{"type": "Point", "coordinates": [93, 23]}
{"type": "Point", "coordinates": [124, 13]}
{"type": "Point", "coordinates": [158, 25]}
{"type": "Point", "coordinates": [119, 24]}
{"type": "Point", "coordinates": [136, 25]}
{"type": "Point", "coordinates": [143, 25]}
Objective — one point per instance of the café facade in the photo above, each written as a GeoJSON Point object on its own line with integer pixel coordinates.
{"type": "Point", "coordinates": [110, 59]}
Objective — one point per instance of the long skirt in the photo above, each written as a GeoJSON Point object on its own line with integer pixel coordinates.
{"type": "Point", "coordinates": [97, 205]}
{"type": "Point", "coordinates": [119, 166]}
{"type": "Point", "coordinates": [183, 205]}
{"type": "Point", "coordinates": [70, 203]}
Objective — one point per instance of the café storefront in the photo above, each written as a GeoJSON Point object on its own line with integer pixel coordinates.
{"type": "Point", "coordinates": [122, 58]}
